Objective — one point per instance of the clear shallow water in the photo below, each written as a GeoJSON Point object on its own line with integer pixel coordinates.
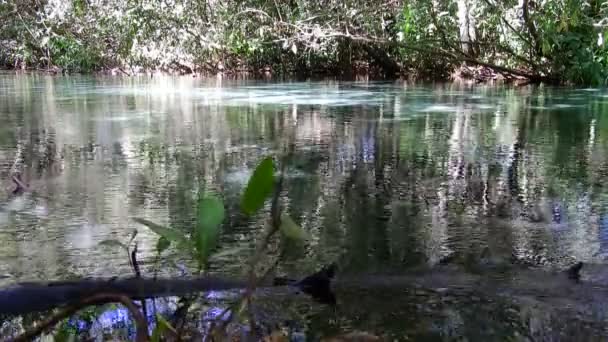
{"type": "Point", "coordinates": [384, 176]}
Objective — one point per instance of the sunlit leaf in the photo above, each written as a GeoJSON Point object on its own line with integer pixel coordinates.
{"type": "Point", "coordinates": [167, 233]}
{"type": "Point", "coordinates": [162, 244]}
{"type": "Point", "coordinates": [291, 230]}
{"type": "Point", "coordinates": [112, 243]}
{"type": "Point", "coordinates": [210, 212]}
{"type": "Point", "coordinates": [161, 320]}
{"type": "Point", "coordinates": [546, 47]}
{"type": "Point", "coordinates": [162, 326]}
{"type": "Point", "coordinates": [259, 187]}
{"type": "Point", "coordinates": [210, 217]}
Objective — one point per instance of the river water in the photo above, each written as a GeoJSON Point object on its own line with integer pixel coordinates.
{"type": "Point", "coordinates": [384, 176]}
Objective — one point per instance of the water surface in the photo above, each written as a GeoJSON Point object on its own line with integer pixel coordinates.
{"type": "Point", "coordinates": [384, 175]}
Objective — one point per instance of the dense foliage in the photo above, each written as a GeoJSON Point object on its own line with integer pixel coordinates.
{"type": "Point", "coordinates": [542, 40]}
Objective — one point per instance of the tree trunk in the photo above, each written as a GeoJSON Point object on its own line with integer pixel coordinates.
{"type": "Point", "coordinates": [466, 23]}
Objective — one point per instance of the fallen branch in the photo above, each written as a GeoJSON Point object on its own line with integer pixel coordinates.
{"type": "Point", "coordinates": [453, 56]}
{"type": "Point", "coordinates": [101, 298]}
{"type": "Point", "coordinates": [498, 68]}
{"type": "Point", "coordinates": [35, 297]}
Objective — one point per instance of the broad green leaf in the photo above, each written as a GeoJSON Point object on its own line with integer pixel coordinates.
{"type": "Point", "coordinates": [161, 320]}
{"type": "Point", "coordinates": [259, 187]}
{"type": "Point", "coordinates": [546, 47]}
{"type": "Point", "coordinates": [157, 333]}
{"type": "Point", "coordinates": [162, 244]}
{"type": "Point", "coordinates": [210, 217]}
{"type": "Point", "coordinates": [113, 243]}
{"type": "Point", "coordinates": [291, 230]}
{"type": "Point", "coordinates": [210, 212]}
{"type": "Point", "coordinates": [167, 233]}
{"type": "Point", "coordinates": [161, 327]}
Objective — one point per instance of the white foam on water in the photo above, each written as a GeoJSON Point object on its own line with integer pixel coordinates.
{"type": "Point", "coordinates": [485, 106]}
{"type": "Point", "coordinates": [564, 105]}
{"type": "Point", "coordinates": [439, 108]}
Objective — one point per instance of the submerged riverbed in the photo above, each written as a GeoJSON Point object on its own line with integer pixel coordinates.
{"type": "Point", "coordinates": [385, 176]}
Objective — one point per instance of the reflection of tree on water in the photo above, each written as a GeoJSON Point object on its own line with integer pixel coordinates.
{"type": "Point", "coordinates": [419, 175]}
{"type": "Point", "coordinates": [603, 235]}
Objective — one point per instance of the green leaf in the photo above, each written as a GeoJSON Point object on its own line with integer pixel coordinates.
{"type": "Point", "coordinates": [112, 243]}
{"type": "Point", "coordinates": [162, 244]}
{"type": "Point", "coordinates": [168, 233]}
{"type": "Point", "coordinates": [291, 230]}
{"type": "Point", "coordinates": [546, 48]}
{"type": "Point", "coordinates": [210, 212]}
{"type": "Point", "coordinates": [259, 187]}
{"type": "Point", "coordinates": [161, 327]}
{"type": "Point", "coordinates": [210, 217]}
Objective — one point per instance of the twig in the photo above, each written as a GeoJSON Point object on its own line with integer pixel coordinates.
{"type": "Point", "coordinates": [134, 262]}
{"type": "Point", "coordinates": [278, 10]}
{"type": "Point", "coordinates": [101, 298]}
{"type": "Point", "coordinates": [137, 272]}
{"type": "Point", "coordinates": [180, 314]}
{"type": "Point", "coordinates": [19, 184]}
{"type": "Point", "coordinates": [222, 327]}
{"type": "Point", "coordinates": [123, 71]}
{"type": "Point", "coordinates": [26, 27]}
{"type": "Point", "coordinates": [441, 30]}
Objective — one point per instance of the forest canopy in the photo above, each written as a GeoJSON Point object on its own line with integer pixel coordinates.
{"type": "Point", "coordinates": [558, 41]}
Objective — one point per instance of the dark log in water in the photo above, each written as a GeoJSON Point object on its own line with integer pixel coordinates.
{"type": "Point", "coordinates": [321, 286]}
{"type": "Point", "coordinates": [32, 297]}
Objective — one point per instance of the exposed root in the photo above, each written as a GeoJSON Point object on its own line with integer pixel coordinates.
{"type": "Point", "coordinates": [101, 298]}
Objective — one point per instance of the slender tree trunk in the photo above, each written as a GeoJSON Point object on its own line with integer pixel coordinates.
{"type": "Point", "coordinates": [525, 6]}
{"type": "Point", "coordinates": [466, 23]}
